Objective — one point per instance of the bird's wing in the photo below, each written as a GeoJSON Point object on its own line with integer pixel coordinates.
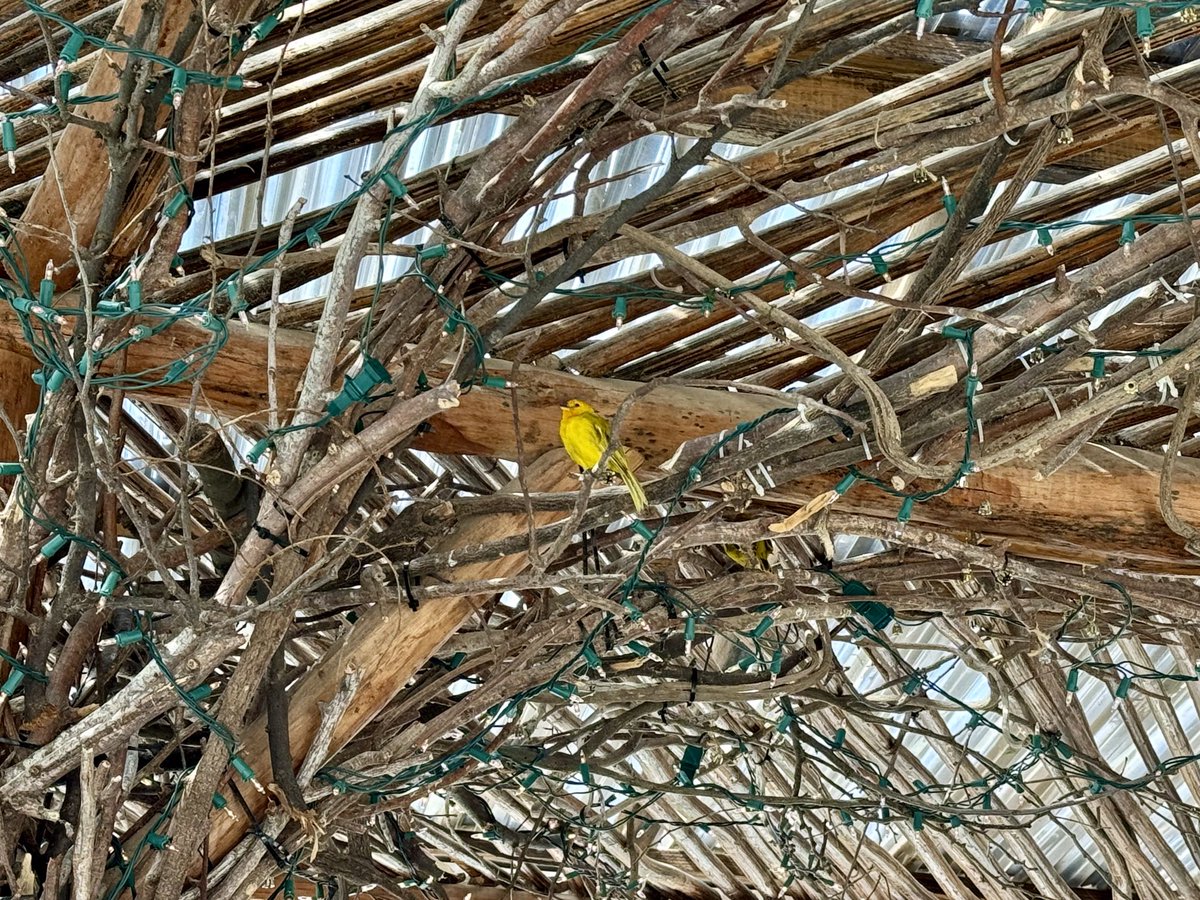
{"type": "Point", "coordinates": [599, 429]}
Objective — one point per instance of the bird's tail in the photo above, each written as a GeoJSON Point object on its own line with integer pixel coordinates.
{"type": "Point", "coordinates": [631, 482]}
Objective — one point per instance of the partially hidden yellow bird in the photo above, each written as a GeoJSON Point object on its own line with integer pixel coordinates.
{"type": "Point", "coordinates": [585, 437]}
{"type": "Point", "coordinates": [760, 559]}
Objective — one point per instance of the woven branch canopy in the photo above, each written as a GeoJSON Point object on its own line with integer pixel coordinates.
{"type": "Point", "coordinates": [890, 307]}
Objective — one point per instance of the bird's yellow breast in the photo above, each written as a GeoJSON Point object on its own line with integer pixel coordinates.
{"type": "Point", "coordinates": [584, 435]}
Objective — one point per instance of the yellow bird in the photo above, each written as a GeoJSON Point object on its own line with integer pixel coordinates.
{"type": "Point", "coordinates": [762, 553]}
{"type": "Point", "coordinates": [585, 437]}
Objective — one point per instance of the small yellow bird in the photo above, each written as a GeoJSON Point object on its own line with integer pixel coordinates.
{"type": "Point", "coordinates": [585, 437]}
{"type": "Point", "coordinates": [762, 553]}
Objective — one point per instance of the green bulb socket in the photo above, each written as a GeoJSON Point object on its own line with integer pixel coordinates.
{"type": "Point", "coordinates": [157, 841]}
{"type": "Point", "coordinates": [358, 387]}
{"type": "Point", "coordinates": [562, 690]}
{"type": "Point", "coordinates": [200, 692]}
{"type": "Point", "coordinates": [1073, 681]}
{"type": "Point", "coordinates": [259, 449]}
{"type": "Point", "coordinates": [178, 202]}
{"type": "Point", "coordinates": [11, 469]}
{"type": "Point", "coordinates": [15, 677]}
{"type": "Point", "coordinates": [52, 546]}
{"type": "Point", "coordinates": [1123, 687]}
{"type": "Point", "coordinates": [1143, 22]}
{"type": "Point", "coordinates": [265, 27]}
{"type": "Point", "coordinates": [71, 50]}
{"type": "Point", "coordinates": [110, 583]}
{"type": "Point", "coordinates": [133, 291]}
{"type": "Point", "coordinates": [394, 184]}
{"type": "Point", "coordinates": [640, 528]}
{"type": "Point", "coordinates": [8, 136]}
{"type": "Point", "coordinates": [955, 334]}
{"type": "Point", "coordinates": [761, 628]}
{"type": "Point", "coordinates": [242, 768]}
{"type": "Point", "coordinates": [433, 251]}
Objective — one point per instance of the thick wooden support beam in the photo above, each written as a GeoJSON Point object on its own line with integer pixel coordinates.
{"type": "Point", "coordinates": [388, 645]}
{"type": "Point", "coordinates": [1100, 508]}
{"type": "Point", "coordinates": [66, 205]}
{"type": "Point", "coordinates": [233, 386]}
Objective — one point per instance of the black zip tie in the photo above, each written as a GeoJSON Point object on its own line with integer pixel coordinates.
{"type": "Point", "coordinates": [413, 603]}
{"type": "Point", "coordinates": [275, 539]}
{"type": "Point", "coordinates": [272, 846]}
{"type": "Point", "coordinates": [583, 541]}
{"type": "Point", "coordinates": [654, 70]}
{"type": "Point", "coordinates": [666, 86]}
{"type": "Point", "coordinates": [692, 687]}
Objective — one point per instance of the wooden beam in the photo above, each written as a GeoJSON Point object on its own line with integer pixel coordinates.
{"type": "Point", "coordinates": [65, 207]}
{"type": "Point", "coordinates": [1102, 506]}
